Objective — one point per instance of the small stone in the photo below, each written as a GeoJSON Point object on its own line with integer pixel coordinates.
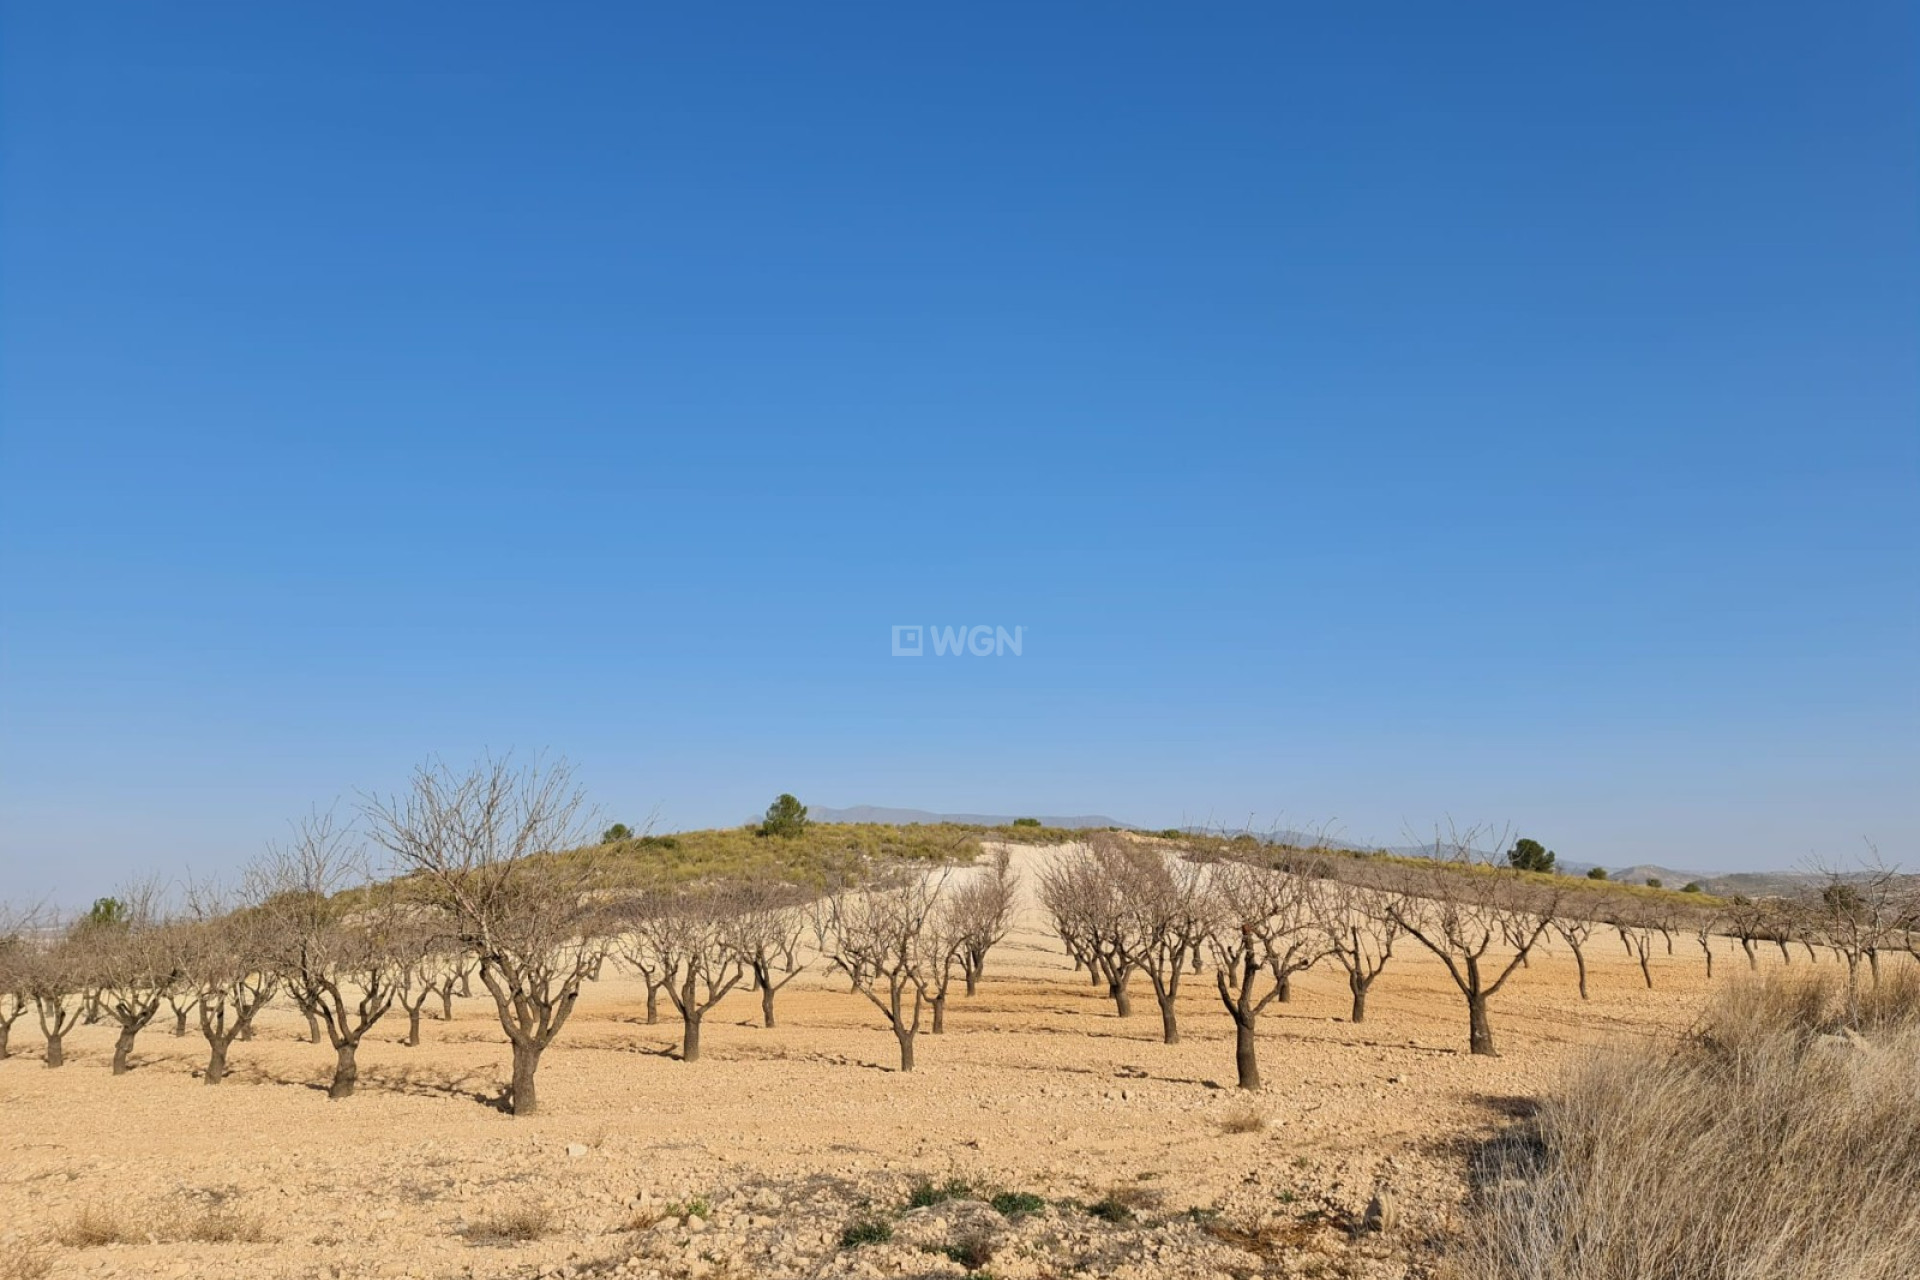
{"type": "Point", "coordinates": [576, 1149]}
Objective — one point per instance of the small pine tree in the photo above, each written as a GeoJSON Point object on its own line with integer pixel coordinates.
{"type": "Point", "coordinates": [1598, 873]}
{"type": "Point", "coordinates": [106, 913]}
{"type": "Point", "coordinates": [1026, 822]}
{"type": "Point", "coordinates": [1654, 882]}
{"type": "Point", "coordinates": [1530, 855]}
{"type": "Point", "coordinates": [786, 817]}
{"type": "Point", "coordinates": [617, 832]}
{"type": "Point", "coordinates": [1692, 886]}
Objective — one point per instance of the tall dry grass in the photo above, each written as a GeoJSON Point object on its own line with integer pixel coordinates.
{"type": "Point", "coordinates": [1774, 1143]}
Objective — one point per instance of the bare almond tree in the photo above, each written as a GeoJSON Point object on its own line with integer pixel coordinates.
{"type": "Point", "coordinates": [765, 924]}
{"type": "Point", "coordinates": [1575, 927]}
{"type": "Point", "coordinates": [501, 852]}
{"type": "Point", "coordinates": [1085, 891]}
{"type": "Point", "coordinates": [1170, 910]}
{"type": "Point", "coordinates": [1747, 921]}
{"type": "Point", "coordinates": [1360, 933]}
{"type": "Point", "coordinates": [1705, 924]}
{"type": "Point", "coordinates": [689, 935]}
{"type": "Point", "coordinates": [56, 982]}
{"type": "Point", "coordinates": [982, 913]}
{"type": "Point", "coordinates": [134, 960]}
{"type": "Point", "coordinates": [1253, 906]}
{"type": "Point", "coordinates": [1480, 921]}
{"type": "Point", "coordinates": [225, 950]}
{"type": "Point", "coordinates": [341, 938]}
{"type": "Point", "coordinates": [1855, 913]}
{"type": "Point", "coordinates": [15, 964]}
{"type": "Point", "coordinates": [879, 937]}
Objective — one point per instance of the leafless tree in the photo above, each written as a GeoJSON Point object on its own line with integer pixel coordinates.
{"type": "Point", "coordinates": [500, 850]}
{"type": "Point", "coordinates": [55, 980]}
{"type": "Point", "coordinates": [1085, 891]}
{"type": "Point", "coordinates": [1636, 934]}
{"type": "Point", "coordinates": [340, 937]}
{"type": "Point", "coordinates": [879, 937]}
{"type": "Point", "coordinates": [456, 981]}
{"type": "Point", "coordinates": [15, 965]}
{"type": "Point", "coordinates": [1856, 913]}
{"type": "Point", "coordinates": [1747, 921]}
{"type": "Point", "coordinates": [1704, 924]}
{"type": "Point", "coordinates": [225, 949]}
{"type": "Point", "coordinates": [133, 960]}
{"type": "Point", "coordinates": [1253, 906]}
{"type": "Point", "coordinates": [689, 936]}
{"type": "Point", "coordinates": [1480, 921]}
{"type": "Point", "coordinates": [764, 926]}
{"type": "Point", "coordinates": [1171, 910]}
{"type": "Point", "coordinates": [1360, 933]}
{"type": "Point", "coordinates": [1575, 925]}
{"type": "Point", "coordinates": [982, 913]}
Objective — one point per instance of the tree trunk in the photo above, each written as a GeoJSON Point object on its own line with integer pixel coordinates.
{"type": "Point", "coordinates": [345, 1072]}
{"type": "Point", "coordinates": [1873, 963]}
{"type": "Point", "coordinates": [766, 1004]}
{"type": "Point", "coordinates": [246, 1029]}
{"type": "Point", "coordinates": [690, 1038]}
{"type": "Point", "coordinates": [1580, 962]}
{"type": "Point", "coordinates": [1746, 945]}
{"type": "Point", "coordinates": [122, 1047]}
{"type": "Point", "coordinates": [1646, 972]}
{"type": "Point", "coordinates": [1285, 988]}
{"type": "Point", "coordinates": [1358, 986]}
{"type": "Point", "coordinates": [1169, 1020]}
{"type": "Point", "coordinates": [466, 983]}
{"type": "Point", "coordinates": [313, 1026]}
{"type": "Point", "coordinates": [1709, 954]}
{"type": "Point", "coordinates": [413, 1027]}
{"type": "Point", "coordinates": [526, 1060]}
{"type": "Point", "coordinates": [940, 1014]}
{"type": "Point", "coordinates": [6, 1034]}
{"type": "Point", "coordinates": [56, 1050]}
{"type": "Point", "coordinates": [1243, 1055]}
{"type": "Point", "coordinates": [446, 1003]}
{"type": "Point", "coordinates": [179, 1022]}
{"type": "Point", "coordinates": [1479, 1029]}
{"type": "Point", "coordinates": [653, 1004]}
{"type": "Point", "coordinates": [906, 1047]}
{"type": "Point", "coordinates": [216, 1062]}
{"type": "Point", "coordinates": [973, 980]}
{"type": "Point", "coordinates": [1117, 992]}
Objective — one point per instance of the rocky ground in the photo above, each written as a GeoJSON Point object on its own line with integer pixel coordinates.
{"type": "Point", "coordinates": [1040, 1136]}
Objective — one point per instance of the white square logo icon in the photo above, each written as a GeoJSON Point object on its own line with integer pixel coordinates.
{"type": "Point", "coordinates": [907, 641]}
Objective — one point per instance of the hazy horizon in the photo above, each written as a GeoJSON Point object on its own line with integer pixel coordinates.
{"type": "Point", "coordinates": [1367, 420]}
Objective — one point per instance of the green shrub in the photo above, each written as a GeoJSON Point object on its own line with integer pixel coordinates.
{"type": "Point", "coordinates": [865, 1231]}
{"type": "Point", "coordinates": [926, 1193]}
{"type": "Point", "coordinates": [1026, 822]}
{"type": "Point", "coordinates": [1017, 1204]}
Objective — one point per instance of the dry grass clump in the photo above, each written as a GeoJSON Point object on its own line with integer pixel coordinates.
{"type": "Point", "coordinates": [1243, 1119]}
{"type": "Point", "coordinates": [97, 1225]}
{"type": "Point", "coordinates": [222, 1225]}
{"type": "Point", "coordinates": [1765, 1145]}
{"type": "Point", "coordinates": [514, 1223]}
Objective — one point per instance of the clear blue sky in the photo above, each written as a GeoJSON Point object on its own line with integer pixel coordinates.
{"type": "Point", "coordinates": [1372, 414]}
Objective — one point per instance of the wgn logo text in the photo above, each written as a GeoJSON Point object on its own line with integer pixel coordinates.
{"type": "Point", "coordinates": [910, 641]}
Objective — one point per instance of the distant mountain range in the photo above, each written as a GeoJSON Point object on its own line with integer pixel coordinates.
{"type": "Point", "coordinates": [1750, 883]}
